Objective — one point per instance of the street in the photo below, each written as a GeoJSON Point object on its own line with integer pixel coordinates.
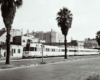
{"type": "Point", "coordinates": [71, 70]}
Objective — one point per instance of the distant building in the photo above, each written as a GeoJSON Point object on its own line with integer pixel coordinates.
{"type": "Point", "coordinates": [80, 44]}
{"type": "Point", "coordinates": [91, 43]}
{"type": "Point", "coordinates": [15, 32]}
{"type": "Point", "coordinates": [2, 36]}
{"type": "Point", "coordinates": [53, 36]}
{"type": "Point", "coordinates": [76, 44]}
{"type": "Point", "coordinates": [39, 35]}
{"type": "Point", "coordinates": [48, 37]}
{"type": "Point", "coordinates": [23, 40]}
{"type": "Point", "coordinates": [73, 43]}
{"type": "Point", "coordinates": [55, 44]}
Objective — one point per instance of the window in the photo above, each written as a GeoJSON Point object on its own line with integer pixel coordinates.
{"type": "Point", "coordinates": [23, 40]}
{"type": "Point", "coordinates": [81, 50]}
{"type": "Point", "coordinates": [63, 50]}
{"type": "Point", "coordinates": [75, 50]}
{"type": "Point", "coordinates": [71, 50]}
{"type": "Point", "coordinates": [53, 49]}
{"type": "Point", "coordinates": [87, 51]}
{"type": "Point", "coordinates": [31, 48]}
{"type": "Point", "coordinates": [35, 49]}
{"type": "Point", "coordinates": [14, 50]}
{"type": "Point", "coordinates": [47, 49]}
{"type": "Point", "coordinates": [18, 50]}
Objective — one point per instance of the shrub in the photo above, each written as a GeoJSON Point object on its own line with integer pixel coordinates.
{"type": "Point", "coordinates": [93, 77]}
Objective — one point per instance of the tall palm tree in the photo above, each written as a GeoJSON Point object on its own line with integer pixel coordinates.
{"type": "Point", "coordinates": [8, 10]}
{"type": "Point", "coordinates": [98, 37]}
{"type": "Point", "coordinates": [64, 19]}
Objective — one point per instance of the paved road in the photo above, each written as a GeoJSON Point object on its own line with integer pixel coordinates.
{"type": "Point", "coordinates": [72, 70]}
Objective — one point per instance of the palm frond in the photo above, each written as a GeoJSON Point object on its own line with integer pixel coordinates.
{"type": "Point", "coordinates": [98, 33]}
{"type": "Point", "coordinates": [98, 37]}
{"type": "Point", "coordinates": [18, 3]}
{"type": "Point", "coordinates": [64, 19]}
{"type": "Point", "coordinates": [1, 1]}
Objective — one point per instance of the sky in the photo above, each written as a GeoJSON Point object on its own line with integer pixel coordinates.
{"type": "Point", "coordinates": [40, 15]}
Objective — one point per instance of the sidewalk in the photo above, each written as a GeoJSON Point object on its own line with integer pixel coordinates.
{"type": "Point", "coordinates": [37, 61]}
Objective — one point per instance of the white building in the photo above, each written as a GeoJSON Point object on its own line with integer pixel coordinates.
{"type": "Point", "coordinates": [2, 36]}
{"type": "Point", "coordinates": [13, 32]}
{"type": "Point", "coordinates": [53, 36]}
{"type": "Point", "coordinates": [22, 40]}
{"type": "Point", "coordinates": [15, 51]}
{"type": "Point", "coordinates": [80, 44]}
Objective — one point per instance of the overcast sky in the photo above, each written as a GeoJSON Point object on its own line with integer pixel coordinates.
{"type": "Point", "coordinates": [40, 15]}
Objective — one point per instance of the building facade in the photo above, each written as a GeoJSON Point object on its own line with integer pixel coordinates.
{"type": "Point", "coordinates": [91, 43]}
{"type": "Point", "coordinates": [15, 51]}
{"type": "Point", "coordinates": [15, 32]}
{"type": "Point", "coordinates": [53, 36]}
{"type": "Point", "coordinates": [50, 36]}
{"type": "Point", "coordinates": [39, 35]}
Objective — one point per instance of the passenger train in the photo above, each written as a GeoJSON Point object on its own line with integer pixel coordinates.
{"type": "Point", "coordinates": [37, 50]}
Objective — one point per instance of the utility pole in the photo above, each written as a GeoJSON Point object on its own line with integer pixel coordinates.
{"type": "Point", "coordinates": [50, 36]}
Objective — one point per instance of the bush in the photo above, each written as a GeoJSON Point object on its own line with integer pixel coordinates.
{"type": "Point", "coordinates": [93, 77]}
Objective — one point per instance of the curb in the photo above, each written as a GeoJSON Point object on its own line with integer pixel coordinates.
{"type": "Point", "coordinates": [9, 67]}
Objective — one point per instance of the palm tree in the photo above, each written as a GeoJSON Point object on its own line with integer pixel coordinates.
{"type": "Point", "coordinates": [98, 37]}
{"type": "Point", "coordinates": [64, 19]}
{"type": "Point", "coordinates": [8, 10]}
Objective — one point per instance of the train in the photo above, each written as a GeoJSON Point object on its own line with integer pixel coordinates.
{"type": "Point", "coordinates": [39, 50]}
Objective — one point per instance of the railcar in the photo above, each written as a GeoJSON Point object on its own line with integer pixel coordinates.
{"type": "Point", "coordinates": [37, 50]}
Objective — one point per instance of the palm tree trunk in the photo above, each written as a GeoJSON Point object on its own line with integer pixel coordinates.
{"type": "Point", "coordinates": [8, 47]}
{"type": "Point", "coordinates": [65, 48]}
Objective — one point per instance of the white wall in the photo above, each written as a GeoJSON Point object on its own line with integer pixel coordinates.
{"type": "Point", "coordinates": [16, 47]}
{"type": "Point", "coordinates": [2, 51]}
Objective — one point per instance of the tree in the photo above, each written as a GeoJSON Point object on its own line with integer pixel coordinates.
{"type": "Point", "coordinates": [64, 19]}
{"type": "Point", "coordinates": [8, 10]}
{"type": "Point", "coordinates": [98, 37]}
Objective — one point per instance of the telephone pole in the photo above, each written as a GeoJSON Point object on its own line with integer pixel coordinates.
{"type": "Point", "coordinates": [50, 36]}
